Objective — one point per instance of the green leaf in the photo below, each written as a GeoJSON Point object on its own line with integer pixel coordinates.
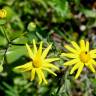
{"type": "Point", "coordinates": [2, 21]}
{"type": "Point", "coordinates": [89, 13]}
{"type": "Point", "coordinates": [10, 12]}
{"type": "Point", "coordinates": [21, 40]}
{"type": "Point", "coordinates": [15, 52]}
{"type": "Point", "coordinates": [3, 41]}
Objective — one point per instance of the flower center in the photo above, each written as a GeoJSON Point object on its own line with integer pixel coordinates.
{"type": "Point", "coordinates": [84, 57]}
{"type": "Point", "coordinates": [37, 62]}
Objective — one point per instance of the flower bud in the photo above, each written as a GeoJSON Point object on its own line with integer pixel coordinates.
{"type": "Point", "coordinates": [31, 26]}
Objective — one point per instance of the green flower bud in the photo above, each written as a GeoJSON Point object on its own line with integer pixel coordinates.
{"type": "Point", "coordinates": [31, 26]}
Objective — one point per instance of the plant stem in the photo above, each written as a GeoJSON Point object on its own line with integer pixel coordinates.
{"type": "Point", "coordinates": [8, 42]}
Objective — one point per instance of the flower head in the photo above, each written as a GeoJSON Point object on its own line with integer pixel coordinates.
{"type": "Point", "coordinates": [3, 13]}
{"type": "Point", "coordinates": [39, 63]}
{"type": "Point", "coordinates": [80, 56]}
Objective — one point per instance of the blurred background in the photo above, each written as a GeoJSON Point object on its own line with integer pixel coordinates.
{"type": "Point", "coordinates": [51, 21]}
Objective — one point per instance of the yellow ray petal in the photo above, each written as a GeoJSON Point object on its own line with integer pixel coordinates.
{"type": "Point", "coordinates": [76, 66]}
{"type": "Point", "coordinates": [79, 70]}
{"type": "Point", "coordinates": [87, 46]}
{"type": "Point", "coordinates": [34, 46]}
{"type": "Point", "coordinates": [70, 49]}
{"type": "Point", "coordinates": [93, 51]}
{"type": "Point", "coordinates": [71, 62]}
{"type": "Point", "coordinates": [91, 68]}
{"type": "Point", "coordinates": [75, 45]}
{"type": "Point", "coordinates": [49, 65]}
{"type": "Point", "coordinates": [29, 51]}
{"type": "Point", "coordinates": [32, 74]}
{"type": "Point", "coordinates": [93, 55]}
{"type": "Point", "coordinates": [29, 64]}
{"type": "Point", "coordinates": [39, 75]}
{"type": "Point", "coordinates": [51, 59]}
{"type": "Point", "coordinates": [44, 54]}
{"type": "Point", "coordinates": [40, 49]}
{"type": "Point", "coordinates": [70, 55]}
{"type": "Point", "coordinates": [49, 71]}
{"type": "Point", "coordinates": [26, 69]}
{"type": "Point", "coordinates": [82, 45]}
{"type": "Point", "coordinates": [94, 62]}
{"type": "Point", "coordinates": [43, 77]}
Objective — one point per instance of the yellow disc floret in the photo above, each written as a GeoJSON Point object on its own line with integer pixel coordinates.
{"type": "Point", "coordinates": [37, 62]}
{"type": "Point", "coordinates": [85, 57]}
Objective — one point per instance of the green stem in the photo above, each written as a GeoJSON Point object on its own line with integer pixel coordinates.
{"type": "Point", "coordinates": [8, 42]}
{"type": "Point", "coordinates": [4, 56]}
{"type": "Point", "coordinates": [63, 78]}
{"type": "Point", "coordinates": [59, 86]}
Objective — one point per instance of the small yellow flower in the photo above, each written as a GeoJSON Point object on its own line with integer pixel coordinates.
{"type": "Point", "coordinates": [39, 63]}
{"type": "Point", "coordinates": [81, 56]}
{"type": "Point", "coordinates": [3, 13]}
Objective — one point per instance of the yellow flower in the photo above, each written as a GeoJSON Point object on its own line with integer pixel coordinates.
{"type": "Point", "coordinates": [39, 63]}
{"type": "Point", "coordinates": [80, 56]}
{"type": "Point", "coordinates": [3, 13]}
